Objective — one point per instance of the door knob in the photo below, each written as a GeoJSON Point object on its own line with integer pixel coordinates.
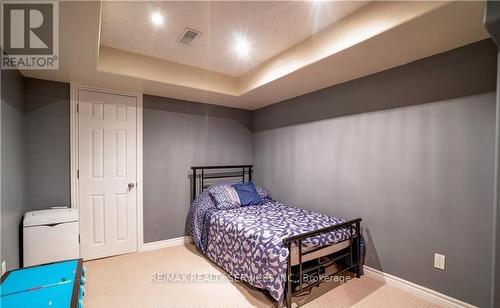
{"type": "Point", "coordinates": [131, 185]}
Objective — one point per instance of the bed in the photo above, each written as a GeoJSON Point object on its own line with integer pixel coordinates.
{"type": "Point", "coordinates": [271, 246]}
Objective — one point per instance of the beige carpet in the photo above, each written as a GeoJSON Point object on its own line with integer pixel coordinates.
{"type": "Point", "coordinates": [140, 280]}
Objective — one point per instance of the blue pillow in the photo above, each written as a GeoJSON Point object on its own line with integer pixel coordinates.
{"type": "Point", "coordinates": [247, 193]}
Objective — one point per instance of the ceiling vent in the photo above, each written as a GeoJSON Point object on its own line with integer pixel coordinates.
{"type": "Point", "coordinates": [188, 36]}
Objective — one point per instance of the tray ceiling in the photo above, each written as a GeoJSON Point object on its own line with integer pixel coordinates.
{"type": "Point", "coordinates": [270, 27]}
{"type": "Point", "coordinates": [376, 37]}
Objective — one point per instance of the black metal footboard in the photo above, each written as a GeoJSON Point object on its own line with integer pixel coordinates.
{"type": "Point", "coordinates": [353, 253]}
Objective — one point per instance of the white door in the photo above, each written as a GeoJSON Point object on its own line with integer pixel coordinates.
{"type": "Point", "coordinates": [107, 167]}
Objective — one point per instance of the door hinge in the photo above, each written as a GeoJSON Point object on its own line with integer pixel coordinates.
{"type": "Point", "coordinates": [78, 238]}
{"type": "Point", "coordinates": [77, 108]}
{"type": "Point", "coordinates": [77, 173]}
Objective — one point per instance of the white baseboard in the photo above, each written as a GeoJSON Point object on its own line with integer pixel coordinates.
{"type": "Point", "coordinates": [166, 243]}
{"type": "Point", "coordinates": [415, 289]}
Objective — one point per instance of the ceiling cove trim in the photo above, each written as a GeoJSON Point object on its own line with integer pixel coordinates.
{"type": "Point", "coordinates": [465, 71]}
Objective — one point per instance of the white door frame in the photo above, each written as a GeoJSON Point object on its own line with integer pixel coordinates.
{"type": "Point", "coordinates": [74, 152]}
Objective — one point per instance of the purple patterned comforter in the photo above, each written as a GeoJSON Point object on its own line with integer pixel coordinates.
{"type": "Point", "coordinates": [247, 241]}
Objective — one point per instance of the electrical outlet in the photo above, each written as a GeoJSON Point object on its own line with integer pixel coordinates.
{"type": "Point", "coordinates": [439, 261]}
{"type": "Point", "coordinates": [4, 267]}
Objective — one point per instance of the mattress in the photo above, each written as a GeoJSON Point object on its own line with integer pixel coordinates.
{"type": "Point", "coordinates": [325, 251]}
{"type": "Point", "coordinates": [247, 242]}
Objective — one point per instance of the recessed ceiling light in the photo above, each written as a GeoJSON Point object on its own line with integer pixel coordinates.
{"type": "Point", "coordinates": [241, 46]}
{"type": "Point", "coordinates": [157, 18]}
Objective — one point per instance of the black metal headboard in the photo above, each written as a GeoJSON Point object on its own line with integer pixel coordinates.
{"type": "Point", "coordinates": [223, 172]}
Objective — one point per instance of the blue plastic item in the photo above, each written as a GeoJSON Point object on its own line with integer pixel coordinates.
{"type": "Point", "coordinates": [49, 285]}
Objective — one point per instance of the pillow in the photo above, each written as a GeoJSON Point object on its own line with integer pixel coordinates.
{"type": "Point", "coordinates": [224, 196]}
{"type": "Point", "coordinates": [263, 193]}
{"type": "Point", "coordinates": [247, 193]}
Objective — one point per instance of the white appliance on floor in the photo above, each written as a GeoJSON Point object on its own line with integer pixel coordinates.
{"type": "Point", "coordinates": [50, 235]}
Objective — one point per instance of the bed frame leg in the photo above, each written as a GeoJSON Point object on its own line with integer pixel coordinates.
{"type": "Point", "coordinates": [288, 300]}
{"type": "Point", "coordinates": [288, 290]}
{"type": "Point", "coordinates": [358, 272]}
{"type": "Point", "coordinates": [358, 250]}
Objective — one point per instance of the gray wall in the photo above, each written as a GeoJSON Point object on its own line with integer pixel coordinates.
{"type": "Point", "coordinates": [411, 151]}
{"type": "Point", "coordinates": [47, 143]}
{"type": "Point", "coordinates": [496, 240]}
{"type": "Point", "coordinates": [13, 149]}
{"type": "Point", "coordinates": [35, 152]}
{"type": "Point", "coordinates": [420, 177]}
{"type": "Point", "coordinates": [178, 135]}
{"type": "Point", "coordinates": [492, 24]}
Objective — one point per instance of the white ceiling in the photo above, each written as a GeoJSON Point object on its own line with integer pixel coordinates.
{"type": "Point", "coordinates": [376, 37]}
{"type": "Point", "coordinates": [271, 26]}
